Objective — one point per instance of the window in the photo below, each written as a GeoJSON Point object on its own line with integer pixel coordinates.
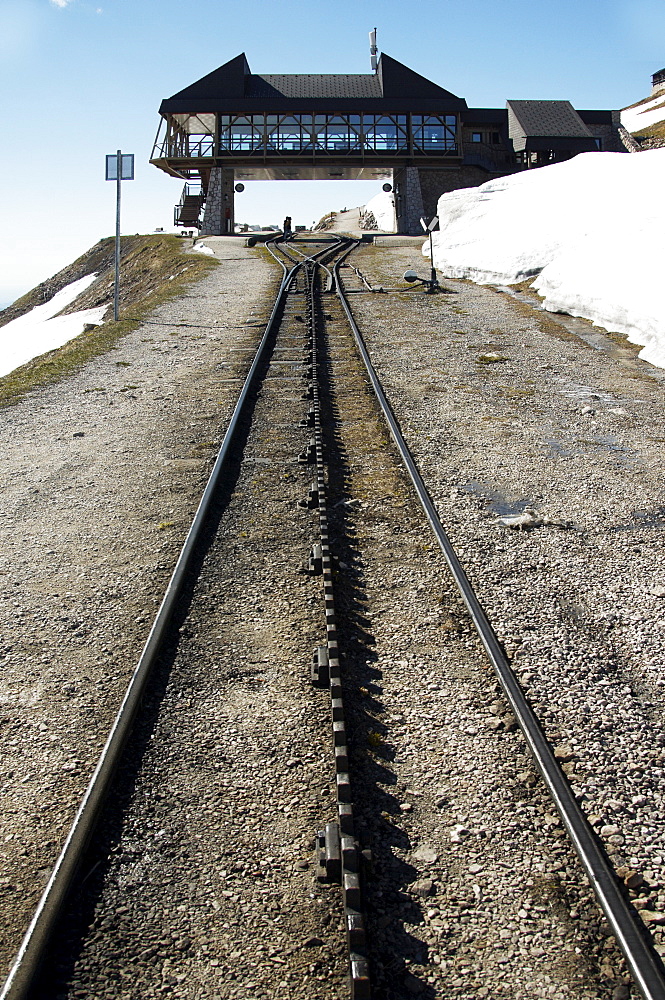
{"type": "Point", "coordinates": [476, 137]}
{"type": "Point", "coordinates": [436, 133]}
{"type": "Point", "coordinates": [385, 132]}
{"type": "Point", "coordinates": [496, 138]}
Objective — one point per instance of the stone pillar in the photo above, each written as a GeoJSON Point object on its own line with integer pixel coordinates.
{"type": "Point", "coordinates": [408, 201]}
{"type": "Point", "coordinates": [218, 215]}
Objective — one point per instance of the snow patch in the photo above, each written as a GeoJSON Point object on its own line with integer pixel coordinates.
{"type": "Point", "coordinates": [202, 248]}
{"type": "Point", "coordinates": [591, 228]}
{"type": "Point", "coordinates": [649, 113]}
{"type": "Point", "coordinates": [42, 330]}
{"type": "Point", "coordinates": [382, 207]}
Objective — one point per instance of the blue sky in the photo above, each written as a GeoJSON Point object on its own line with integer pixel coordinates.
{"type": "Point", "coordinates": [81, 78]}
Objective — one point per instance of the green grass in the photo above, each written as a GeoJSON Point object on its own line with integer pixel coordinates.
{"type": "Point", "coordinates": [655, 131]}
{"type": "Point", "coordinates": [154, 269]}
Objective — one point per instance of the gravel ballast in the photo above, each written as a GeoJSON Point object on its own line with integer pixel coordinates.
{"type": "Point", "coordinates": [476, 892]}
{"type": "Point", "coordinates": [101, 475]}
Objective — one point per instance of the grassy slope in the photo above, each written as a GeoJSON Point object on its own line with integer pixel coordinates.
{"type": "Point", "coordinates": [652, 135]}
{"type": "Point", "coordinates": [655, 131]}
{"type": "Point", "coordinates": [153, 270]}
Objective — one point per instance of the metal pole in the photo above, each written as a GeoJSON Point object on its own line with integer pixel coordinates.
{"type": "Point", "coordinates": [432, 276]}
{"type": "Point", "coordinates": [116, 291]}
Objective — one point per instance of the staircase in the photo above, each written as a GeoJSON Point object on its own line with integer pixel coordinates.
{"type": "Point", "coordinates": [188, 209]}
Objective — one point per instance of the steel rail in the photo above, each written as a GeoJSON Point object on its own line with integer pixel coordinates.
{"type": "Point", "coordinates": [32, 948]}
{"type": "Point", "coordinates": [643, 961]}
{"type": "Point", "coordinates": [306, 258]}
{"type": "Point", "coordinates": [335, 243]}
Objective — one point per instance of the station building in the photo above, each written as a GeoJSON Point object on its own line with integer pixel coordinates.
{"type": "Point", "coordinates": [391, 125]}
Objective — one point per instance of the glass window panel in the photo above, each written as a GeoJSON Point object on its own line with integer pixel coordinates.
{"type": "Point", "coordinates": [288, 135]}
{"type": "Point", "coordinates": [433, 134]}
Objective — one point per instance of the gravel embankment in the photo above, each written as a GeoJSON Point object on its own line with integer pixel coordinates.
{"type": "Point", "coordinates": [503, 415]}
{"type": "Point", "coordinates": [101, 474]}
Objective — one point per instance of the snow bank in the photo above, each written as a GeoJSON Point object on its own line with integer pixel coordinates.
{"type": "Point", "coordinates": [43, 330]}
{"type": "Point", "coordinates": [591, 228]}
{"type": "Point", "coordinates": [382, 207]}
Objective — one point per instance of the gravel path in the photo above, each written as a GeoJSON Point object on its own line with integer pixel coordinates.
{"type": "Point", "coordinates": [101, 474]}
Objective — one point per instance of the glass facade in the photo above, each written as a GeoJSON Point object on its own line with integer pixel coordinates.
{"type": "Point", "coordinates": [435, 133]}
{"type": "Point", "coordinates": [353, 134]}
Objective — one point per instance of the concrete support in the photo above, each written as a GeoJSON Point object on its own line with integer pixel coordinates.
{"type": "Point", "coordinates": [219, 215]}
{"type": "Point", "coordinates": [408, 201]}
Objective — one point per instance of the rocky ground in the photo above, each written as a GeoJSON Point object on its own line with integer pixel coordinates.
{"type": "Point", "coordinates": [101, 474]}
{"type": "Point", "coordinates": [476, 892]}
{"type": "Point", "coordinates": [510, 412]}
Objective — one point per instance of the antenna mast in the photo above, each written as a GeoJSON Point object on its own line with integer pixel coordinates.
{"type": "Point", "coordinates": [373, 50]}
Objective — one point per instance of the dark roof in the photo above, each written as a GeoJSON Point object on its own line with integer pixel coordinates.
{"type": "Point", "coordinates": [548, 118]}
{"type": "Point", "coordinates": [234, 88]}
{"type": "Point", "coordinates": [313, 86]}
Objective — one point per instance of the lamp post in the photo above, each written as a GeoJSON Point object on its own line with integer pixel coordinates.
{"type": "Point", "coordinates": [119, 167]}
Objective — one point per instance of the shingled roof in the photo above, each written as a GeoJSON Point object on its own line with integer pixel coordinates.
{"type": "Point", "coordinates": [234, 88]}
{"type": "Point", "coordinates": [534, 125]}
{"type": "Point", "coordinates": [313, 86]}
{"type": "Point", "coordinates": [540, 118]}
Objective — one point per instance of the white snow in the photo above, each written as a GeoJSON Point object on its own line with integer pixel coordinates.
{"type": "Point", "coordinates": [382, 207]}
{"type": "Point", "coordinates": [202, 248]}
{"type": "Point", "coordinates": [592, 229]}
{"type": "Point", "coordinates": [649, 113]}
{"type": "Point", "coordinates": [42, 330]}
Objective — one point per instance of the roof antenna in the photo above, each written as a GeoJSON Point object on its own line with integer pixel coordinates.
{"type": "Point", "coordinates": [373, 50]}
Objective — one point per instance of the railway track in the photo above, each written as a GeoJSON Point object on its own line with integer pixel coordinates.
{"type": "Point", "coordinates": [326, 461]}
